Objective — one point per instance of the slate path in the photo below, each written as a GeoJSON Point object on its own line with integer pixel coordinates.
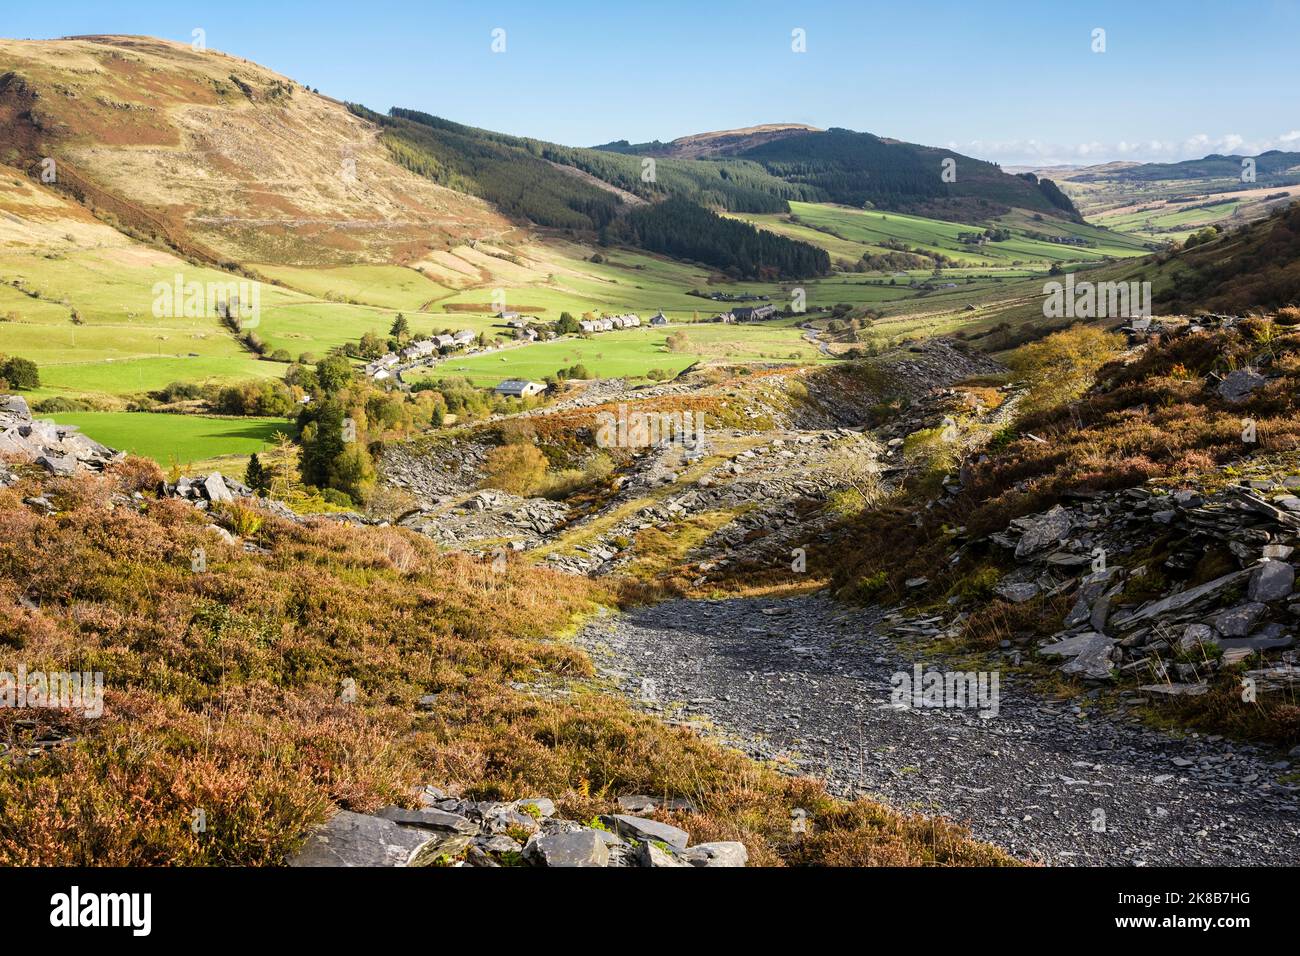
{"type": "Point", "coordinates": [808, 680]}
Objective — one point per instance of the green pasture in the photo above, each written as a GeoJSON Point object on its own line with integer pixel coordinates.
{"type": "Point", "coordinates": [177, 438]}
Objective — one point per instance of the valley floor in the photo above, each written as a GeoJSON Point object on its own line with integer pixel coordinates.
{"type": "Point", "coordinates": [806, 682]}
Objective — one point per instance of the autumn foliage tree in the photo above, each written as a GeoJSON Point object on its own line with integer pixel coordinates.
{"type": "Point", "coordinates": [516, 468]}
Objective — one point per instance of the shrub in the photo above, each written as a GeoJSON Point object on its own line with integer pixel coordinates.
{"type": "Point", "coordinates": [514, 468]}
{"type": "Point", "coordinates": [1060, 367]}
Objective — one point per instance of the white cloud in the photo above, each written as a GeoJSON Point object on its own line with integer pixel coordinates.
{"type": "Point", "coordinates": [1032, 152]}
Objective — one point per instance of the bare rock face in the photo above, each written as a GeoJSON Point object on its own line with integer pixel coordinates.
{"type": "Point", "coordinates": [60, 449]}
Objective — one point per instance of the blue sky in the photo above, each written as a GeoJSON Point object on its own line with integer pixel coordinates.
{"type": "Point", "coordinates": [1009, 80]}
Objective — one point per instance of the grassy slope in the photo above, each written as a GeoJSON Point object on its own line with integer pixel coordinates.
{"type": "Point", "coordinates": [849, 233]}
{"type": "Point", "coordinates": [223, 694]}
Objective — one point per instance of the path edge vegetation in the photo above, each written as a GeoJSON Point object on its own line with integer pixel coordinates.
{"type": "Point", "coordinates": [223, 693]}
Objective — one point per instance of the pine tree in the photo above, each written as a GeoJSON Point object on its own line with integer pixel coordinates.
{"type": "Point", "coordinates": [401, 329]}
{"type": "Point", "coordinates": [256, 476]}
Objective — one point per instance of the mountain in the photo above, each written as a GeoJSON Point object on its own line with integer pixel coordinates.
{"type": "Point", "coordinates": [577, 189]}
{"type": "Point", "coordinates": [844, 166]}
{"type": "Point", "coordinates": [727, 142]}
{"type": "Point", "coordinates": [220, 158]}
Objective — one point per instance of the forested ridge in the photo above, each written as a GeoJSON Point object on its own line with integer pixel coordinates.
{"type": "Point", "coordinates": [680, 228]}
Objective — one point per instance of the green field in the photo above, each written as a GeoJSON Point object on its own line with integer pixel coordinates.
{"type": "Point", "coordinates": [90, 325]}
{"type": "Point", "coordinates": [848, 233]}
{"type": "Point", "coordinates": [176, 438]}
{"type": "Point", "coordinates": [390, 287]}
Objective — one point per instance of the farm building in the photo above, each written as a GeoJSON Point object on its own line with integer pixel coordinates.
{"type": "Point", "coordinates": [659, 319]}
{"type": "Point", "coordinates": [753, 313]}
{"type": "Point", "coordinates": [519, 388]}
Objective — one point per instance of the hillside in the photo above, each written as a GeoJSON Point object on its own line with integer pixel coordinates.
{"type": "Point", "coordinates": [220, 158]}
{"type": "Point", "coordinates": [1254, 267]}
{"type": "Point", "coordinates": [499, 164]}
{"type": "Point", "coordinates": [843, 166]}
{"type": "Point", "coordinates": [727, 142]}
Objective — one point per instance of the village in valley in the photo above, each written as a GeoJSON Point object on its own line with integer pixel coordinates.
{"type": "Point", "coordinates": [426, 352]}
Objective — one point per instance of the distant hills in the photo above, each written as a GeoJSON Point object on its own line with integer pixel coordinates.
{"type": "Point", "coordinates": [1270, 165]}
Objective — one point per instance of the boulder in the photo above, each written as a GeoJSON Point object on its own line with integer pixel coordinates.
{"type": "Point", "coordinates": [1196, 635]}
{"type": "Point", "coordinates": [355, 839]}
{"type": "Point", "coordinates": [214, 487]}
{"type": "Point", "coordinates": [543, 806]}
{"type": "Point", "coordinates": [1090, 653]}
{"type": "Point", "coordinates": [582, 848]}
{"type": "Point", "coordinates": [1237, 621]}
{"type": "Point", "coordinates": [1240, 385]}
{"type": "Point", "coordinates": [1179, 601]}
{"type": "Point", "coordinates": [1271, 581]}
{"type": "Point", "coordinates": [651, 854]}
{"type": "Point", "coordinates": [725, 853]}
{"type": "Point", "coordinates": [1043, 531]}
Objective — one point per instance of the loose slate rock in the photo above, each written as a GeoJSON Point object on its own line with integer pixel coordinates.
{"type": "Point", "coordinates": [355, 839]}
{"type": "Point", "coordinates": [723, 853]}
{"type": "Point", "coordinates": [214, 486]}
{"type": "Point", "coordinates": [1048, 529]}
{"type": "Point", "coordinates": [651, 854]}
{"type": "Point", "coordinates": [1272, 581]}
{"type": "Point", "coordinates": [429, 819]}
{"type": "Point", "coordinates": [1238, 621]}
{"type": "Point", "coordinates": [641, 828]}
{"type": "Point", "coordinates": [583, 848]}
{"type": "Point", "coordinates": [1237, 386]}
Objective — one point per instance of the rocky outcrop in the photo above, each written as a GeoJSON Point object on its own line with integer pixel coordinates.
{"type": "Point", "coordinates": [60, 449]}
{"type": "Point", "coordinates": [1187, 624]}
{"type": "Point", "coordinates": [446, 831]}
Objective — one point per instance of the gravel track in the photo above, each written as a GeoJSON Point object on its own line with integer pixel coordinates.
{"type": "Point", "coordinates": [807, 682]}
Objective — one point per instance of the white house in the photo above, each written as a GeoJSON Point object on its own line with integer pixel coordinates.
{"type": "Point", "coordinates": [659, 319]}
